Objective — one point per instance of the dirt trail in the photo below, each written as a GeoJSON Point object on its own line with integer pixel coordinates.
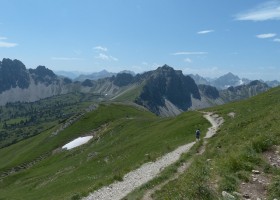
{"type": "Point", "coordinates": [148, 171]}
{"type": "Point", "coordinates": [216, 122]}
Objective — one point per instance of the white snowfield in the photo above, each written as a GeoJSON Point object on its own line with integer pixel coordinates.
{"type": "Point", "coordinates": [150, 170]}
{"type": "Point", "coordinates": [77, 142]}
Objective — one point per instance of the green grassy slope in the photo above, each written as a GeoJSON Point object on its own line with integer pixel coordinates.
{"type": "Point", "coordinates": [234, 151]}
{"type": "Point", "coordinates": [129, 137]}
{"type": "Point", "coordinates": [130, 94]}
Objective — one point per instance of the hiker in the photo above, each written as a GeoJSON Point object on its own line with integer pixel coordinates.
{"type": "Point", "coordinates": [197, 134]}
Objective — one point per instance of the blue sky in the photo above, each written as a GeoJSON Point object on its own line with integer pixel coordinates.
{"type": "Point", "coordinates": [209, 38]}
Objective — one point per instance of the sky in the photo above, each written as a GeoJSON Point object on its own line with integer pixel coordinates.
{"type": "Point", "coordinates": [204, 37]}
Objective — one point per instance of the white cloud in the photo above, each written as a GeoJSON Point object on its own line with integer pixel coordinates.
{"type": "Point", "coordinates": [188, 60]}
{"type": "Point", "coordinates": [266, 35]}
{"type": "Point", "coordinates": [189, 53]}
{"type": "Point", "coordinates": [205, 31]}
{"type": "Point", "coordinates": [65, 58]}
{"type": "Point", "coordinates": [113, 58]}
{"type": "Point", "coordinates": [7, 44]}
{"type": "Point", "coordinates": [100, 48]}
{"type": "Point", "coordinates": [266, 11]}
{"type": "Point", "coordinates": [276, 40]}
{"type": "Point", "coordinates": [103, 56]}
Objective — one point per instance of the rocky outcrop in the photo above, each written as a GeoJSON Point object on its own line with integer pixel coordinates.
{"type": "Point", "coordinates": [165, 83]}
{"type": "Point", "coordinates": [28, 85]}
{"type": "Point", "coordinates": [32, 93]}
{"type": "Point", "coordinates": [243, 91]}
{"type": "Point", "coordinates": [209, 91]}
{"type": "Point", "coordinates": [13, 74]}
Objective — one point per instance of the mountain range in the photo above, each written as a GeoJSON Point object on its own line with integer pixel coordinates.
{"type": "Point", "coordinates": [222, 82]}
{"type": "Point", "coordinates": [164, 91]}
{"type": "Point", "coordinates": [228, 80]}
{"type": "Point", "coordinates": [81, 76]}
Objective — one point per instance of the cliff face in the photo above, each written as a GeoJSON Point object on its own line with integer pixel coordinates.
{"type": "Point", "coordinates": [20, 84]}
{"type": "Point", "coordinates": [243, 91]}
{"type": "Point", "coordinates": [32, 93]}
{"type": "Point", "coordinates": [28, 85]}
{"type": "Point", "coordinates": [166, 89]}
{"type": "Point", "coordinates": [13, 74]}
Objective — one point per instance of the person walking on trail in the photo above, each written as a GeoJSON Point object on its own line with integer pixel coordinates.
{"type": "Point", "coordinates": [197, 134]}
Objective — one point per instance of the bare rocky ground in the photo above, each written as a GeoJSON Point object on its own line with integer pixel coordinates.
{"type": "Point", "coordinates": [256, 188]}
{"type": "Point", "coordinates": [150, 170]}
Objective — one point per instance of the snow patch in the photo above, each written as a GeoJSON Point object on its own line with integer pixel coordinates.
{"type": "Point", "coordinates": [77, 142]}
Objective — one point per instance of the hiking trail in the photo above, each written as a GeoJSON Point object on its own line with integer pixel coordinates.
{"type": "Point", "coordinates": [150, 170]}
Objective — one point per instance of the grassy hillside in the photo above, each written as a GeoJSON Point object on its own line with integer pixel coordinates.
{"type": "Point", "coordinates": [234, 152]}
{"type": "Point", "coordinates": [127, 138]}
{"type": "Point", "coordinates": [131, 93]}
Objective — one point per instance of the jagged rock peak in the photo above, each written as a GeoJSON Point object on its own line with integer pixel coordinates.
{"type": "Point", "coordinates": [42, 71]}
{"type": "Point", "coordinates": [12, 65]}
{"type": "Point", "coordinates": [167, 70]}
{"type": "Point", "coordinates": [257, 82]}
{"type": "Point", "coordinates": [13, 74]}
{"type": "Point", "coordinates": [230, 75]}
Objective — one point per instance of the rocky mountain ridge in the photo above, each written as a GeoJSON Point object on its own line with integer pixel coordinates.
{"type": "Point", "coordinates": [164, 91]}
{"type": "Point", "coordinates": [168, 88]}
{"type": "Point", "coordinates": [228, 80]}
{"type": "Point", "coordinates": [27, 85]}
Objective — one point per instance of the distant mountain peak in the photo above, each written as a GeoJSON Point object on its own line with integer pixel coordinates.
{"type": "Point", "coordinates": [226, 81]}
{"type": "Point", "coordinates": [168, 85]}
{"type": "Point", "coordinates": [13, 74]}
{"type": "Point", "coordinates": [230, 75]}
{"type": "Point", "coordinates": [42, 71]}
{"type": "Point", "coordinates": [127, 72]}
{"type": "Point", "coordinates": [104, 71]}
{"type": "Point", "coordinates": [166, 70]}
{"type": "Point", "coordinates": [166, 66]}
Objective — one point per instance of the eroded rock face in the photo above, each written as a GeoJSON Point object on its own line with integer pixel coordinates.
{"type": "Point", "coordinates": [13, 74]}
{"type": "Point", "coordinates": [167, 84]}
{"type": "Point", "coordinates": [19, 84]}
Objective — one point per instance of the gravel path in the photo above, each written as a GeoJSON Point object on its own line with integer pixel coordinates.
{"type": "Point", "coordinates": [216, 122]}
{"type": "Point", "coordinates": [147, 171]}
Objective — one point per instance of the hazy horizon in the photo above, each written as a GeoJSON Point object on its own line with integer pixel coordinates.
{"type": "Point", "coordinates": [77, 73]}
